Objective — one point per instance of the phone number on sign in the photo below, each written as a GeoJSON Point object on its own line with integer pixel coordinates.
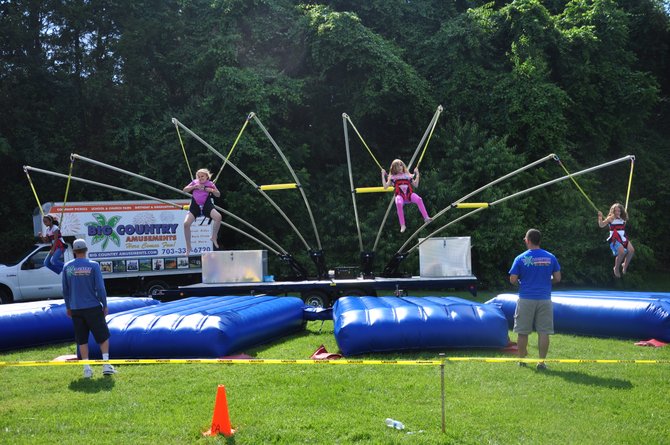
{"type": "Point", "coordinates": [182, 251]}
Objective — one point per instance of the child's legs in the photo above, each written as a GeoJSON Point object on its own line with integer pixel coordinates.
{"type": "Point", "coordinates": [48, 263]}
{"type": "Point", "coordinates": [57, 261]}
{"type": "Point", "coordinates": [187, 230]}
{"type": "Point", "coordinates": [399, 203]}
{"type": "Point", "coordinates": [618, 259]}
{"type": "Point", "coordinates": [629, 256]}
{"type": "Point", "coordinates": [416, 199]}
{"type": "Point", "coordinates": [216, 218]}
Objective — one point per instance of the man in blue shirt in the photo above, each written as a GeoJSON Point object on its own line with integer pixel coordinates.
{"type": "Point", "coordinates": [86, 303]}
{"type": "Point", "coordinates": [534, 271]}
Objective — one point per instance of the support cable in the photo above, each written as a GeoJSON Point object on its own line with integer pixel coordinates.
{"type": "Point", "coordinates": [142, 195]}
{"type": "Point", "coordinates": [481, 189]}
{"type": "Point", "coordinates": [295, 177]}
{"type": "Point", "coordinates": [424, 138]}
{"type": "Point", "coordinates": [174, 189]}
{"type": "Point", "coordinates": [523, 192]}
{"type": "Point", "coordinates": [248, 179]}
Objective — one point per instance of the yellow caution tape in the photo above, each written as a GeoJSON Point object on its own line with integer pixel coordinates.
{"type": "Point", "coordinates": [224, 361]}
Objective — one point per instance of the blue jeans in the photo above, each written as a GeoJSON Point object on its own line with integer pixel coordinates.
{"type": "Point", "coordinates": [54, 261]}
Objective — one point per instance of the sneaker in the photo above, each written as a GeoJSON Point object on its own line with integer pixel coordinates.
{"type": "Point", "coordinates": [523, 364]}
{"type": "Point", "coordinates": [402, 229]}
{"type": "Point", "coordinates": [88, 373]}
{"type": "Point", "coordinates": [542, 366]}
{"type": "Point", "coordinates": [108, 370]}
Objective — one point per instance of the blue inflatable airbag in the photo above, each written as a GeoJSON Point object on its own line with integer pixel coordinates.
{"type": "Point", "coordinates": [385, 324]}
{"type": "Point", "coordinates": [603, 314]}
{"type": "Point", "coordinates": [36, 323]}
{"type": "Point", "coordinates": [201, 327]}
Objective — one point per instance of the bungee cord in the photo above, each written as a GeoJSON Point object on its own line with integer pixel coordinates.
{"type": "Point", "coordinates": [142, 195]}
{"type": "Point", "coordinates": [248, 179]}
{"type": "Point", "coordinates": [424, 142]}
{"type": "Point", "coordinates": [514, 195]}
{"type": "Point", "coordinates": [174, 189]}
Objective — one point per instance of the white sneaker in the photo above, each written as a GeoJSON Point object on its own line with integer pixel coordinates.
{"type": "Point", "coordinates": [88, 373]}
{"type": "Point", "coordinates": [108, 370]}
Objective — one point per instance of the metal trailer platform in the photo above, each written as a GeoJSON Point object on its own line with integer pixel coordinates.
{"type": "Point", "coordinates": [322, 293]}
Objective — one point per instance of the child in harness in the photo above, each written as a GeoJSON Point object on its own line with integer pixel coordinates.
{"type": "Point", "coordinates": [202, 204]}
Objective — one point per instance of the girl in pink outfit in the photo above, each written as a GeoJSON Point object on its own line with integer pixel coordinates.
{"type": "Point", "coordinates": [403, 183]}
{"type": "Point", "coordinates": [202, 204]}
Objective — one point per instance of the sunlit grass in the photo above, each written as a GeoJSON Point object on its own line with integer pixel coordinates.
{"type": "Point", "coordinates": [485, 402]}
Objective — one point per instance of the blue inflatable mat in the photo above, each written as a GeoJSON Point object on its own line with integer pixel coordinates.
{"type": "Point", "coordinates": [385, 324]}
{"type": "Point", "coordinates": [36, 323]}
{"type": "Point", "coordinates": [603, 314]}
{"type": "Point", "coordinates": [201, 327]}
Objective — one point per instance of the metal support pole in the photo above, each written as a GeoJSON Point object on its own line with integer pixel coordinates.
{"type": "Point", "coordinates": [443, 403]}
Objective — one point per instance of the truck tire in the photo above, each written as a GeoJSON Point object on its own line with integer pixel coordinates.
{"type": "Point", "coordinates": [155, 286]}
{"type": "Point", "coordinates": [5, 296]}
{"type": "Point", "coordinates": [315, 298]}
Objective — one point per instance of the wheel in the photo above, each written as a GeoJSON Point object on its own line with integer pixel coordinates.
{"type": "Point", "coordinates": [315, 298]}
{"type": "Point", "coordinates": [5, 296]}
{"type": "Point", "coordinates": [155, 286]}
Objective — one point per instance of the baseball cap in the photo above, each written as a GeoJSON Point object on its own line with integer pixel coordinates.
{"type": "Point", "coordinates": [79, 244]}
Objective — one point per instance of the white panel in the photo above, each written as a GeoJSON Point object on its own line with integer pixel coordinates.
{"type": "Point", "coordinates": [234, 266]}
{"type": "Point", "coordinates": [445, 257]}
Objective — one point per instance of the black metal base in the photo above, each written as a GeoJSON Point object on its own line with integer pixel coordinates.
{"type": "Point", "coordinates": [367, 260]}
{"type": "Point", "coordinates": [301, 273]}
{"type": "Point", "coordinates": [320, 263]}
{"type": "Point", "coordinates": [391, 269]}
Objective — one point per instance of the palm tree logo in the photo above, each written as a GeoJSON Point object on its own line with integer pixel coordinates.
{"type": "Point", "coordinates": [102, 222]}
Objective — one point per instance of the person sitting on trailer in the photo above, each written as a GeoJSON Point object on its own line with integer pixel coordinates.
{"type": "Point", "coordinates": [202, 204]}
{"type": "Point", "coordinates": [403, 182]}
{"type": "Point", "coordinates": [622, 248]}
{"type": "Point", "coordinates": [54, 260]}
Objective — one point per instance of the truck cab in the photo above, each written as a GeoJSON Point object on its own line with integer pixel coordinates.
{"type": "Point", "coordinates": [28, 279]}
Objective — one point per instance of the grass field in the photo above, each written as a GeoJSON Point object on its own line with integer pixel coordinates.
{"type": "Point", "coordinates": [486, 403]}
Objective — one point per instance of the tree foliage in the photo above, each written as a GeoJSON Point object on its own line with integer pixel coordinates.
{"type": "Point", "coordinates": [587, 80]}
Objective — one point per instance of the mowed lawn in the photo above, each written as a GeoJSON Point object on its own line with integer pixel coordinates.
{"type": "Point", "coordinates": [486, 403]}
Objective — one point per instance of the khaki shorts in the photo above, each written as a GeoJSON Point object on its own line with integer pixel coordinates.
{"type": "Point", "coordinates": [534, 315]}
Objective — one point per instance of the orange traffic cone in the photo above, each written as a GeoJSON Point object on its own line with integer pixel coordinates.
{"type": "Point", "coordinates": [220, 419]}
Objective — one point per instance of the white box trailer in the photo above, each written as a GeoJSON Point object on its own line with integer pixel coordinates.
{"type": "Point", "coordinates": [140, 246]}
{"type": "Point", "coordinates": [445, 263]}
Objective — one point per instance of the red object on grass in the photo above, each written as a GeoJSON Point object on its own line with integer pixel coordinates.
{"type": "Point", "coordinates": [322, 354]}
{"type": "Point", "coordinates": [511, 348]}
{"type": "Point", "coordinates": [652, 342]}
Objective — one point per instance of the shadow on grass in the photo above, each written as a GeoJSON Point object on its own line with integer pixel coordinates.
{"type": "Point", "coordinates": [303, 332]}
{"type": "Point", "coordinates": [588, 379]}
{"type": "Point", "coordinates": [92, 385]}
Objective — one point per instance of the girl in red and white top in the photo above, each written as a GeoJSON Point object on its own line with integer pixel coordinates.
{"type": "Point", "coordinates": [54, 260]}
{"type": "Point", "coordinates": [622, 248]}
